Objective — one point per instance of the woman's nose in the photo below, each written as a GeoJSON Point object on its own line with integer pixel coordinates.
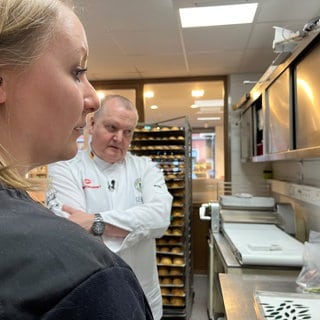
{"type": "Point", "coordinates": [91, 99]}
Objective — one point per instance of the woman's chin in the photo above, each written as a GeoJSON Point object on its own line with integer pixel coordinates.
{"type": "Point", "coordinates": [70, 153]}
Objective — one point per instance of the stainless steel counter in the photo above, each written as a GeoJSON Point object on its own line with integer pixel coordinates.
{"type": "Point", "coordinates": [238, 292]}
{"type": "Point", "coordinates": [223, 261]}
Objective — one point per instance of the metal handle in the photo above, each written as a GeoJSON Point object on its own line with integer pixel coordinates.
{"type": "Point", "coordinates": [202, 212]}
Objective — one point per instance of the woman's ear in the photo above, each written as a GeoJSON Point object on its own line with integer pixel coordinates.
{"type": "Point", "coordinates": [2, 91]}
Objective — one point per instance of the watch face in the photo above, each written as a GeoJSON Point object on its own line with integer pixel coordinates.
{"type": "Point", "coordinates": [98, 228]}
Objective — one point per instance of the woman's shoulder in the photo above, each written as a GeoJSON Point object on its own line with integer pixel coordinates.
{"type": "Point", "coordinates": [46, 235]}
{"type": "Point", "coordinates": [36, 244]}
{"type": "Point", "coordinates": [102, 296]}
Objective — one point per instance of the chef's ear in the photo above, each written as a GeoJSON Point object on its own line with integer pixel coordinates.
{"type": "Point", "coordinates": [90, 122]}
{"type": "Point", "coordinates": [2, 91]}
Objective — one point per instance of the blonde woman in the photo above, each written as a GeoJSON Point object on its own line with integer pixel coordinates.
{"type": "Point", "coordinates": [50, 268]}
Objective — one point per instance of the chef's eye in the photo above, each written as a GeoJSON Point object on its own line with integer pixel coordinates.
{"type": "Point", "coordinates": [128, 133]}
{"type": "Point", "coordinates": [79, 72]}
{"type": "Point", "coordinates": [110, 128]}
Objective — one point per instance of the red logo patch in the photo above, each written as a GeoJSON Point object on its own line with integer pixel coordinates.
{"type": "Point", "coordinates": [87, 184]}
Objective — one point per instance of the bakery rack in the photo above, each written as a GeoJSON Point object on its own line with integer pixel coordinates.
{"type": "Point", "coordinates": [169, 145]}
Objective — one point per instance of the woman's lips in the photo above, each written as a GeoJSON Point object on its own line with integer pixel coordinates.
{"type": "Point", "coordinates": [79, 129]}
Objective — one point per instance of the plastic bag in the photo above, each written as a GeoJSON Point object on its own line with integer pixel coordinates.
{"type": "Point", "coordinates": [309, 277]}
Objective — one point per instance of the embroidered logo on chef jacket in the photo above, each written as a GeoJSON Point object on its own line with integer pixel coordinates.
{"type": "Point", "coordinates": [54, 204]}
{"type": "Point", "coordinates": [138, 186]}
{"type": "Point", "coordinates": [87, 184]}
{"type": "Point", "coordinates": [51, 199]}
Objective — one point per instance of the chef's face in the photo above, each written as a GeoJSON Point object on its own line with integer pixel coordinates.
{"type": "Point", "coordinates": [112, 131]}
{"type": "Point", "coordinates": [49, 100]}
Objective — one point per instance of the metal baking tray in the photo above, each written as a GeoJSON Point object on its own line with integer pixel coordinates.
{"type": "Point", "coordinates": [271, 305]}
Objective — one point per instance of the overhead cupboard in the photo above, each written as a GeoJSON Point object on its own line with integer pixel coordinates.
{"type": "Point", "coordinates": [280, 118]}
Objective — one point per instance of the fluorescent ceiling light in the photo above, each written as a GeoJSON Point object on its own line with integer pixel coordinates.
{"type": "Point", "coordinates": [208, 118]}
{"type": "Point", "coordinates": [213, 110]}
{"type": "Point", "coordinates": [217, 15]}
{"type": "Point", "coordinates": [209, 103]}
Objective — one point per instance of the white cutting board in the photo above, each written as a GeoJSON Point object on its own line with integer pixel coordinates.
{"type": "Point", "coordinates": [264, 244]}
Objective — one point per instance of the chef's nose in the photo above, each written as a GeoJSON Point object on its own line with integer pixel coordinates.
{"type": "Point", "coordinates": [118, 136]}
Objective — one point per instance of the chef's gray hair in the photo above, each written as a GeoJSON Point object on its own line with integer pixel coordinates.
{"type": "Point", "coordinates": [125, 102]}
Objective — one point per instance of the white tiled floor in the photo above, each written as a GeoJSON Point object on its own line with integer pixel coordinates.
{"type": "Point", "coordinates": [199, 308]}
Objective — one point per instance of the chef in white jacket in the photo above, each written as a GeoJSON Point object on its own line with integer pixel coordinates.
{"type": "Point", "coordinates": [115, 195]}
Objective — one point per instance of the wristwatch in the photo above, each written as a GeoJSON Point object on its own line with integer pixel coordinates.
{"type": "Point", "coordinates": [98, 225]}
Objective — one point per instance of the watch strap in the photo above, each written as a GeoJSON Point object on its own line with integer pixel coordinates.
{"type": "Point", "coordinates": [98, 225]}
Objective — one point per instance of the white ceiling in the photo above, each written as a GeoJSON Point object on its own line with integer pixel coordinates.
{"type": "Point", "coordinates": [142, 39]}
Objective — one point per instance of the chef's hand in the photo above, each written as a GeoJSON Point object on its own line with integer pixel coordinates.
{"type": "Point", "coordinates": [82, 218]}
{"type": "Point", "coordinates": [85, 220]}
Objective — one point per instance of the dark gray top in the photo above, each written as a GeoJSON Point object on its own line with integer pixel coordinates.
{"type": "Point", "coordinates": [48, 263]}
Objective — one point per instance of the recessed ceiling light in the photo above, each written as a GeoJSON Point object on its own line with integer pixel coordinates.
{"type": "Point", "coordinates": [217, 15]}
{"type": "Point", "coordinates": [101, 95]}
{"type": "Point", "coordinates": [197, 93]}
{"type": "Point", "coordinates": [154, 107]}
{"type": "Point", "coordinates": [149, 94]}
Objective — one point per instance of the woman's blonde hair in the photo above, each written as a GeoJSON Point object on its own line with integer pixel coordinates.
{"type": "Point", "coordinates": [26, 28]}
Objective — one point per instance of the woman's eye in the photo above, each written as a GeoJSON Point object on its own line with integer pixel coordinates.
{"type": "Point", "coordinates": [79, 72]}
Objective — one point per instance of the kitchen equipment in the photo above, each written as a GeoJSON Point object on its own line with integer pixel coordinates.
{"type": "Point", "coordinates": [256, 229]}
{"type": "Point", "coordinates": [263, 244]}
{"type": "Point", "coordinates": [245, 208]}
{"type": "Point", "coordinates": [254, 236]}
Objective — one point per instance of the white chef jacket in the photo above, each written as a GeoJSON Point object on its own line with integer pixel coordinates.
{"type": "Point", "coordinates": [131, 195]}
